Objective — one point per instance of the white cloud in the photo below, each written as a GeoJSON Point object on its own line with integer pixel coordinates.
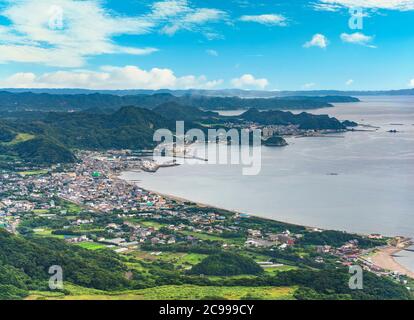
{"type": "Point", "coordinates": [326, 7]}
{"type": "Point", "coordinates": [109, 77]}
{"type": "Point", "coordinates": [402, 5]}
{"type": "Point", "coordinates": [169, 8]}
{"type": "Point", "coordinates": [357, 38]}
{"type": "Point", "coordinates": [176, 15]}
{"type": "Point", "coordinates": [309, 85]}
{"type": "Point", "coordinates": [212, 53]}
{"type": "Point", "coordinates": [266, 19]}
{"type": "Point", "coordinates": [248, 81]}
{"type": "Point", "coordinates": [411, 83]}
{"type": "Point", "coordinates": [64, 32]}
{"type": "Point", "coordinates": [318, 40]}
{"type": "Point", "coordinates": [349, 82]}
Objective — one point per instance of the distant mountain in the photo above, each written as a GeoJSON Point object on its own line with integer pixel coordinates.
{"type": "Point", "coordinates": [53, 138]}
{"type": "Point", "coordinates": [178, 112]}
{"type": "Point", "coordinates": [402, 92]}
{"type": "Point", "coordinates": [221, 93]}
{"type": "Point", "coordinates": [28, 101]}
{"type": "Point", "coordinates": [234, 103]}
{"type": "Point", "coordinates": [128, 128]}
{"type": "Point", "coordinates": [305, 121]}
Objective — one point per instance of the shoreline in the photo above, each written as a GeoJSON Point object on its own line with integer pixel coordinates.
{"type": "Point", "coordinates": [205, 205]}
{"type": "Point", "coordinates": [383, 257]}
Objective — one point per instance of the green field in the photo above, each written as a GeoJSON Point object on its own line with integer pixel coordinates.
{"type": "Point", "coordinates": [91, 245]}
{"type": "Point", "coordinates": [274, 271]}
{"type": "Point", "coordinates": [40, 211]}
{"type": "Point", "coordinates": [178, 259]}
{"type": "Point", "coordinates": [33, 173]}
{"type": "Point", "coordinates": [70, 207]}
{"type": "Point", "coordinates": [213, 237]}
{"type": "Point", "coordinates": [21, 137]}
{"type": "Point", "coordinates": [47, 233]}
{"type": "Point", "coordinates": [185, 292]}
{"type": "Point", "coordinates": [73, 208]}
{"type": "Point", "coordinates": [149, 224]}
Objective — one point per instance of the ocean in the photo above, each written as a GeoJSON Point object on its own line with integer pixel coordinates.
{"type": "Point", "coordinates": [361, 182]}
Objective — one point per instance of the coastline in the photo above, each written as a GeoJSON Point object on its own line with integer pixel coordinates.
{"type": "Point", "coordinates": [205, 205]}
{"type": "Point", "coordinates": [383, 257]}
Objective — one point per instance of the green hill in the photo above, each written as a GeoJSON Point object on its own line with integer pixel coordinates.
{"type": "Point", "coordinates": [128, 128]}
{"type": "Point", "coordinates": [226, 264]}
{"type": "Point", "coordinates": [24, 265]}
{"type": "Point", "coordinates": [28, 101]}
{"type": "Point", "coordinates": [275, 141]}
{"type": "Point", "coordinates": [53, 137]}
{"type": "Point", "coordinates": [6, 134]}
{"type": "Point", "coordinates": [304, 120]}
{"type": "Point", "coordinates": [42, 150]}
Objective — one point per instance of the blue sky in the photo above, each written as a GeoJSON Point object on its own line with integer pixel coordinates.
{"type": "Point", "coordinates": [211, 44]}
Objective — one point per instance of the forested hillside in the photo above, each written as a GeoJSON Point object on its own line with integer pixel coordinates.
{"type": "Point", "coordinates": [28, 101]}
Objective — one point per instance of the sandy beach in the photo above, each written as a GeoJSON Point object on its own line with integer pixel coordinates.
{"type": "Point", "coordinates": [384, 259]}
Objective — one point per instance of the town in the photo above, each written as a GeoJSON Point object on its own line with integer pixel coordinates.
{"type": "Point", "coordinates": [88, 205]}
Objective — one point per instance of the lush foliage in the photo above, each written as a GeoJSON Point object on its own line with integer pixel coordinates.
{"type": "Point", "coordinates": [65, 102]}
{"type": "Point", "coordinates": [227, 264]}
{"type": "Point", "coordinates": [337, 239]}
{"type": "Point", "coordinates": [43, 150]}
{"type": "Point", "coordinates": [275, 141]}
{"type": "Point", "coordinates": [57, 134]}
{"type": "Point", "coordinates": [305, 121]}
{"type": "Point", "coordinates": [24, 264]}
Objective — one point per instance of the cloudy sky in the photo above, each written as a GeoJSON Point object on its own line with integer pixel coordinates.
{"type": "Point", "coordinates": [210, 44]}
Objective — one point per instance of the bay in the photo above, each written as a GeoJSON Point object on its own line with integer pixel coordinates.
{"type": "Point", "coordinates": [371, 191]}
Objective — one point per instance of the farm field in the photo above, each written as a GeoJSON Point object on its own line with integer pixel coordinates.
{"type": "Point", "coordinates": [185, 292]}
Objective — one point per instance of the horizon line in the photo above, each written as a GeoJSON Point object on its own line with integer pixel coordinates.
{"type": "Point", "coordinates": [207, 90]}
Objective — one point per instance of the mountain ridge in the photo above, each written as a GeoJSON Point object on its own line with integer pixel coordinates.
{"type": "Point", "coordinates": [29, 101]}
{"type": "Point", "coordinates": [218, 92]}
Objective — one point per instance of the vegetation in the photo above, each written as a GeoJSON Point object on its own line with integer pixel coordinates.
{"type": "Point", "coordinates": [19, 138]}
{"type": "Point", "coordinates": [305, 121]}
{"type": "Point", "coordinates": [172, 292]}
{"type": "Point", "coordinates": [178, 112]}
{"type": "Point", "coordinates": [25, 264]}
{"type": "Point", "coordinates": [6, 134]}
{"type": "Point", "coordinates": [275, 141]}
{"type": "Point", "coordinates": [28, 101]}
{"type": "Point", "coordinates": [338, 238]}
{"type": "Point", "coordinates": [197, 264]}
{"type": "Point", "coordinates": [227, 264]}
{"type": "Point", "coordinates": [43, 150]}
{"type": "Point", "coordinates": [93, 272]}
{"type": "Point", "coordinates": [53, 137]}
